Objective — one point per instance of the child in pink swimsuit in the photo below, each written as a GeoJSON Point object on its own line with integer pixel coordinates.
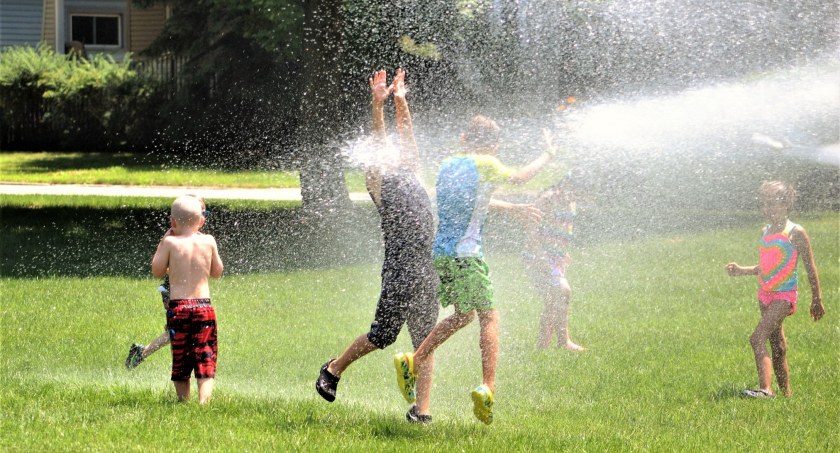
{"type": "Point", "coordinates": [546, 258]}
{"type": "Point", "coordinates": [782, 243]}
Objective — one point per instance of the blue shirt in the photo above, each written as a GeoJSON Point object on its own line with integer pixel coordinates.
{"type": "Point", "coordinates": [464, 186]}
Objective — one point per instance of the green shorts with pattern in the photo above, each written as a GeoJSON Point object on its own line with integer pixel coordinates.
{"type": "Point", "coordinates": [465, 283]}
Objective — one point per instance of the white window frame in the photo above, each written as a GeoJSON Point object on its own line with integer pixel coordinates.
{"type": "Point", "coordinates": [120, 41]}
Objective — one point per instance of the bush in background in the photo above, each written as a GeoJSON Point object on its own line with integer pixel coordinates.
{"type": "Point", "coordinates": [54, 101]}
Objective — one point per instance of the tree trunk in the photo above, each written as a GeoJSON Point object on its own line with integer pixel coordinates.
{"type": "Point", "coordinates": [319, 132]}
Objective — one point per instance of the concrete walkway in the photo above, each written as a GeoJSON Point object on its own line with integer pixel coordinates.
{"type": "Point", "coordinates": [209, 193]}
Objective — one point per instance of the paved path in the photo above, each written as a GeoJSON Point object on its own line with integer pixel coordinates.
{"type": "Point", "coordinates": [160, 191]}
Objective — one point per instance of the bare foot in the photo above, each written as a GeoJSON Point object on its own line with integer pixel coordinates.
{"type": "Point", "coordinates": [573, 347]}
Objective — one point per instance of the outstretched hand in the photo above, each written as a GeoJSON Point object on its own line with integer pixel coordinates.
{"type": "Point", "coordinates": [398, 85]}
{"type": "Point", "coordinates": [528, 214]}
{"type": "Point", "coordinates": [379, 86]}
{"type": "Point", "coordinates": [734, 270]}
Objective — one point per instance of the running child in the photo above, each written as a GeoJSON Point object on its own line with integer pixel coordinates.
{"type": "Point", "coordinates": [464, 186]}
{"type": "Point", "coordinates": [546, 258]}
{"type": "Point", "coordinates": [782, 242]}
{"type": "Point", "coordinates": [409, 282]}
{"type": "Point", "coordinates": [137, 353]}
{"type": "Point", "coordinates": [191, 259]}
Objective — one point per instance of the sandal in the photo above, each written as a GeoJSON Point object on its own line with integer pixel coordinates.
{"type": "Point", "coordinates": [757, 393]}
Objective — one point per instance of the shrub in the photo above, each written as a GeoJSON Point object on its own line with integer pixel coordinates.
{"type": "Point", "coordinates": [55, 101]}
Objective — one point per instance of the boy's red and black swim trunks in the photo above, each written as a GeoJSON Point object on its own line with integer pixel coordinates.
{"type": "Point", "coordinates": [192, 329]}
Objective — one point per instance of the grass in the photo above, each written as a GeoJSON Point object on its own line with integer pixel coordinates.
{"type": "Point", "coordinates": [666, 332]}
{"type": "Point", "coordinates": [121, 202]}
{"type": "Point", "coordinates": [138, 169]}
{"type": "Point", "coordinates": [149, 170]}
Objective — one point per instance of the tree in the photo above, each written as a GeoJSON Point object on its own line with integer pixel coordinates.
{"type": "Point", "coordinates": [321, 108]}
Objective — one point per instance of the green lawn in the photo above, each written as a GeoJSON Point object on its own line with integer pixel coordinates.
{"type": "Point", "coordinates": [149, 170]}
{"type": "Point", "coordinates": [120, 202]}
{"type": "Point", "coordinates": [666, 332]}
{"type": "Point", "coordinates": [137, 169]}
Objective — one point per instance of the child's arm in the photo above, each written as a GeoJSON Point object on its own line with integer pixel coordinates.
{"type": "Point", "coordinates": [736, 270]}
{"type": "Point", "coordinates": [800, 240]}
{"type": "Point", "coordinates": [380, 92]}
{"type": "Point", "coordinates": [409, 154]}
{"type": "Point", "coordinates": [527, 213]}
{"type": "Point", "coordinates": [216, 266]}
{"type": "Point", "coordinates": [160, 262]}
{"type": "Point", "coordinates": [527, 172]}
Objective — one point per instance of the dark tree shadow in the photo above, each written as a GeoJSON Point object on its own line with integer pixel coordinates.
{"type": "Point", "coordinates": [83, 241]}
{"type": "Point", "coordinates": [92, 161]}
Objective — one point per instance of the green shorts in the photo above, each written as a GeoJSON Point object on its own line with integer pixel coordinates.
{"type": "Point", "coordinates": [465, 283]}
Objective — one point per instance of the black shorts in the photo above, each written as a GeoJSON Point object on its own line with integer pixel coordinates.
{"type": "Point", "coordinates": [409, 296]}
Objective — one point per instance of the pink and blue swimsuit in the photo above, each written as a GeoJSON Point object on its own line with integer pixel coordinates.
{"type": "Point", "coordinates": [777, 267]}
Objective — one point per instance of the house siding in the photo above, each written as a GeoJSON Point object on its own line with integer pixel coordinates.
{"type": "Point", "coordinates": [20, 22]}
{"type": "Point", "coordinates": [144, 26]}
{"type": "Point", "coordinates": [48, 32]}
{"type": "Point", "coordinates": [140, 26]}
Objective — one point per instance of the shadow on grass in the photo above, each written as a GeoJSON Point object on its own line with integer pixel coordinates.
{"type": "Point", "coordinates": [82, 241]}
{"type": "Point", "coordinates": [728, 391]}
{"type": "Point", "coordinates": [90, 161]}
{"type": "Point", "coordinates": [86, 241]}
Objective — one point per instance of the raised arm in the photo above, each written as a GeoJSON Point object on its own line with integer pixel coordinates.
{"type": "Point", "coordinates": [527, 172]}
{"type": "Point", "coordinates": [380, 92]}
{"type": "Point", "coordinates": [409, 154]}
{"type": "Point", "coordinates": [802, 242]}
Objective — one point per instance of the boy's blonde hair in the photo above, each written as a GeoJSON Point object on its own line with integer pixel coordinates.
{"type": "Point", "coordinates": [779, 190]}
{"type": "Point", "coordinates": [186, 210]}
{"type": "Point", "coordinates": [481, 133]}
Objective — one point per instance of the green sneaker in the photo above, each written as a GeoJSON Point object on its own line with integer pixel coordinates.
{"type": "Point", "coordinates": [483, 403]}
{"type": "Point", "coordinates": [135, 356]}
{"type": "Point", "coordinates": [406, 379]}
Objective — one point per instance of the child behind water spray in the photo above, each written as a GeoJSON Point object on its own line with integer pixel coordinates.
{"type": "Point", "coordinates": [137, 353]}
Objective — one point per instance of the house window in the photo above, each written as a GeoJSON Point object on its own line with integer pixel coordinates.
{"type": "Point", "coordinates": [96, 30]}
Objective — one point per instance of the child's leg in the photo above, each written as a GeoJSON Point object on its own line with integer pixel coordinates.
{"type": "Point", "coordinates": [182, 389]}
{"type": "Point", "coordinates": [423, 388]}
{"type": "Point", "coordinates": [778, 347]}
{"type": "Point", "coordinates": [159, 342]}
{"type": "Point", "coordinates": [548, 320]}
{"type": "Point", "coordinates": [205, 390]}
{"type": "Point", "coordinates": [489, 344]}
{"type": "Point", "coordinates": [424, 355]}
{"type": "Point", "coordinates": [359, 348]}
{"type": "Point", "coordinates": [564, 291]}
{"type": "Point", "coordinates": [772, 316]}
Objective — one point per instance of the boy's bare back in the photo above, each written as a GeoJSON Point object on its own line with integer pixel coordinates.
{"type": "Point", "coordinates": [189, 257]}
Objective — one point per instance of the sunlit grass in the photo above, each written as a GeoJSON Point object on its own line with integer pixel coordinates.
{"type": "Point", "coordinates": [666, 332]}
{"type": "Point", "coordinates": [115, 202]}
{"type": "Point", "coordinates": [137, 169]}
{"type": "Point", "coordinates": [130, 169]}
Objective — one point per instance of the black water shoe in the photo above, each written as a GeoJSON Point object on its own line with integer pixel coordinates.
{"type": "Point", "coordinates": [327, 383]}
{"type": "Point", "coordinates": [412, 416]}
